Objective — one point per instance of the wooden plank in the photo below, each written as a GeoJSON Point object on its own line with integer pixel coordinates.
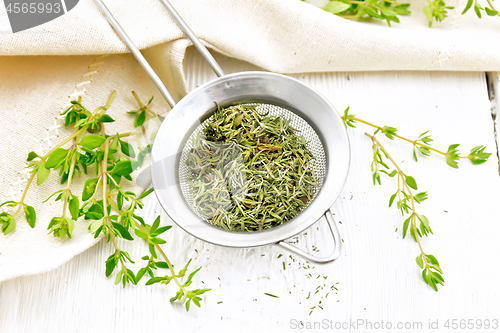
{"type": "Point", "coordinates": [377, 276]}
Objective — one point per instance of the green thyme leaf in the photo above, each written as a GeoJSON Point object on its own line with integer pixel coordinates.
{"type": "Point", "coordinates": [424, 225]}
{"type": "Point", "coordinates": [139, 120]}
{"type": "Point", "coordinates": [140, 274]}
{"type": "Point", "coordinates": [428, 14]}
{"type": "Point", "coordinates": [119, 277]}
{"type": "Point", "coordinates": [389, 131]}
{"type": "Point", "coordinates": [141, 234]}
{"type": "Point", "coordinates": [393, 173]}
{"type": "Point", "coordinates": [56, 192]}
{"type": "Point", "coordinates": [155, 280]}
{"type": "Point", "coordinates": [32, 155]}
{"type": "Point", "coordinates": [452, 156]}
{"type": "Point", "coordinates": [436, 10]}
{"type": "Point", "coordinates": [420, 197]}
{"type": "Point", "coordinates": [347, 118]}
{"type": "Point", "coordinates": [74, 207]}
{"type": "Point", "coordinates": [161, 230]}
{"type": "Point", "coordinates": [468, 6]}
{"type": "Point", "coordinates": [157, 240]}
{"type": "Point", "coordinates": [124, 168]}
{"type": "Point", "coordinates": [162, 264]}
{"type": "Point", "coordinates": [411, 182]}
{"type": "Point", "coordinates": [8, 222]}
{"type": "Point", "coordinates": [424, 151]}
{"type": "Point", "coordinates": [477, 9]}
{"type": "Point", "coordinates": [491, 12]}
{"type": "Point", "coordinates": [420, 262]}
{"type": "Point", "coordinates": [111, 264]}
{"type": "Point", "coordinates": [96, 225]}
{"type": "Point", "coordinates": [95, 212]}
{"type": "Point", "coordinates": [42, 173]}
{"type": "Point", "coordinates": [146, 193]}
{"type": "Point", "coordinates": [30, 215]}
{"type": "Point", "coordinates": [105, 119]}
{"type": "Point", "coordinates": [122, 232]}
{"type": "Point", "coordinates": [191, 276]}
{"type": "Point", "coordinates": [127, 149]}
{"type": "Point", "coordinates": [335, 7]}
{"type": "Point", "coordinates": [9, 203]}
{"type": "Point", "coordinates": [89, 188]}
{"type": "Point", "coordinates": [61, 227]}
{"type": "Point", "coordinates": [478, 156]}
{"type": "Point", "coordinates": [402, 9]}
{"type": "Point", "coordinates": [92, 141]}
{"type": "Point", "coordinates": [114, 144]}
{"type": "Point", "coordinates": [156, 224]}
{"type": "Point", "coordinates": [432, 278]}
{"type": "Point", "coordinates": [405, 226]}
{"type": "Point", "coordinates": [391, 200]}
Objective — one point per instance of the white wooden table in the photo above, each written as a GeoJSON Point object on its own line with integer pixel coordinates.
{"type": "Point", "coordinates": [376, 280]}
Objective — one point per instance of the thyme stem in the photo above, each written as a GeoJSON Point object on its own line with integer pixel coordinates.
{"type": "Point", "coordinates": [491, 5]}
{"type": "Point", "coordinates": [140, 227]}
{"type": "Point", "coordinates": [414, 142]}
{"type": "Point", "coordinates": [405, 185]}
{"type": "Point", "coordinates": [68, 191]}
{"type": "Point", "coordinates": [24, 193]}
{"type": "Point", "coordinates": [104, 174]}
{"type": "Point", "coordinates": [142, 106]}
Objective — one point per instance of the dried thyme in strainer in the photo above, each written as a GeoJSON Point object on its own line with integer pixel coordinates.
{"type": "Point", "coordinates": [249, 172]}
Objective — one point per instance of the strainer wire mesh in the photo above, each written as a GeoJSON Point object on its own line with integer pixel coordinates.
{"type": "Point", "coordinates": [313, 144]}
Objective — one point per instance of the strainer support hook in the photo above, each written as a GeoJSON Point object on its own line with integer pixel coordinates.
{"type": "Point", "coordinates": [320, 260]}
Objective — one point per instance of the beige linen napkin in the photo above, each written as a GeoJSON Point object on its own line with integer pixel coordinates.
{"type": "Point", "coordinates": [286, 36]}
{"type": "Point", "coordinates": [33, 94]}
{"type": "Point", "coordinates": [278, 35]}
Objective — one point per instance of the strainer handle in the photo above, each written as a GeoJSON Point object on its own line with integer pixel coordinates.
{"type": "Point", "coordinates": [192, 37]}
{"type": "Point", "coordinates": [135, 52]}
{"type": "Point", "coordinates": [321, 260]}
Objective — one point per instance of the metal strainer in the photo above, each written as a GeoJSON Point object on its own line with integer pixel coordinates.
{"type": "Point", "coordinates": [305, 108]}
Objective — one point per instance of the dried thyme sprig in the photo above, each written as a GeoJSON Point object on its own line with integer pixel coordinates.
{"type": "Point", "coordinates": [249, 171]}
{"type": "Point", "coordinates": [110, 209]}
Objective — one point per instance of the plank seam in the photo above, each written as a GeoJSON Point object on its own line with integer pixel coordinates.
{"type": "Point", "coordinates": [492, 84]}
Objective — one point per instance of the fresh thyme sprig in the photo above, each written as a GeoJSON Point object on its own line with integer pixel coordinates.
{"type": "Point", "coordinates": [56, 157]}
{"type": "Point", "coordinates": [406, 199]}
{"type": "Point", "coordinates": [423, 142]}
{"type": "Point", "coordinates": [110, 209]}
{"type": "Point", "coordinates": [389, 10]}
{"type": "Point", "coordinates": [144, 113]}
{"type": "Point", "coordinates": [490, 11]}
{"type": "Point", "coordinates": [431, 272]}
{"type": "Point", "coordinates": [362, 10]}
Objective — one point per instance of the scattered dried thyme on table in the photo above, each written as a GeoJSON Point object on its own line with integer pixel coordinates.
{"type": "Point", "coordinates": [249, 171]}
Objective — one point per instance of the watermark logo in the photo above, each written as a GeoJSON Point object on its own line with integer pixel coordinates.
{"type": "Point", "coordinates": [26, 14]}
